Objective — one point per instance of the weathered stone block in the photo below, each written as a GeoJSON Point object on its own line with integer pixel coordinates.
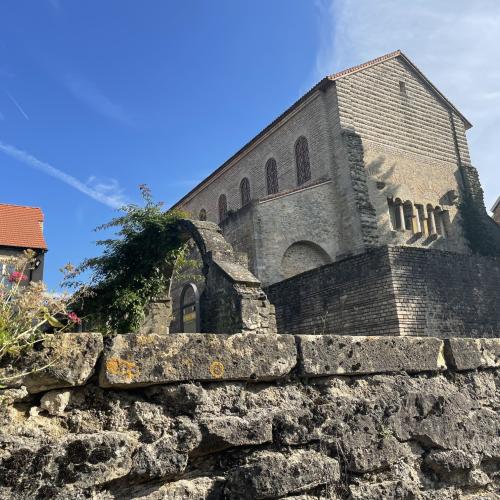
{"type": "Point", "coordinates": [65, 360]}
{"type": "Point", "coordinates": [346, 355]}
{"type": "Point", "coordinates": [272, 475]}
{"type": "Point", "coordinates": [468, 354]}
{"type": "Point", "coordinates": [229, 431]}
{"type": "Point", "coordinates": [140, 360]}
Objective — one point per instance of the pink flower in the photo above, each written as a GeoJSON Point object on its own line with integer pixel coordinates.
{"type": "Point", "coordinates": [72, 316]}
{"type": "Point", "coordinates": [17, 276]}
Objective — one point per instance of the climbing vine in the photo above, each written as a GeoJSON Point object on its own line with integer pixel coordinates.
{"type": "Point", "coordinates": [474, 226]}
{"type": "Point", "coordinates": [134, 268]}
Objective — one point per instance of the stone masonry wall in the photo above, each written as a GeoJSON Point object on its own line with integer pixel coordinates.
{"type": "Point", "coordinates": [393, 291]}
{"type": "Point", "coordinates": [246, 416]}
{"type": "Point", "coordinates": [446, 294]}
{"type": "Point", "coordinates": [413, 147]}
{"type": "Point", "coordinates": [353, 296]}
{"type": "Point", "coordinates": [308, 120]}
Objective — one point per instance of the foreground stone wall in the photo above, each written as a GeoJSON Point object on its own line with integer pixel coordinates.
{"type": "Point", "coordinates": [393, 291]}
{"type": "Point", "coordinates": [252, 416]}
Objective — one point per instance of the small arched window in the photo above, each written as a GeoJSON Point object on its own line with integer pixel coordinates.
{"type": "Point", "coordinates": [245, 191]}
{"type": "Point", "coordinates": [202, 215]}
{"type": "Point", "coordinates": [222, 207]}
{"type": "Point", "coordinates": [190, 306]}
{"type": "Point", "coordinates": [302, 160]}
{"type": "Point", "coordinates": [272, 176]}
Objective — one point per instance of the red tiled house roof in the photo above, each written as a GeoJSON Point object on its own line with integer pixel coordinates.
{"type": "Point", "coordinates": [21, 227]}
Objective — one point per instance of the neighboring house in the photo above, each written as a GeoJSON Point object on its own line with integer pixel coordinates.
{"type": "Point", "coordinates": [21, 228]}
{"type": "Point", "coordinates": [496, 211]}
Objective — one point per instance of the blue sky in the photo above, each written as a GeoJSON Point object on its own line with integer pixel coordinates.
{"type": "Point", "coordinates": [97, 97]}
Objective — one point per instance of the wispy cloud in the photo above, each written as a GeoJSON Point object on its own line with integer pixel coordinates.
{"type": "Point", "coordinates": [454, 42]}
{"type": "Point", "coordinates": [87, 92]}
{"type": "Point", "coordinates": [109, 193]}
{"type": "Point", "coordinates": [17, 105]}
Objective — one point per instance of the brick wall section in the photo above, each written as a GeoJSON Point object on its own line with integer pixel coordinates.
{"type": "Point", "coordinates": [446, 294]}
{"type": "Point", "coordinates": [496, 215]}
{"type": "Point", "coordinates": [350, 297]}
{"type": "Point", "coordinates": [393, 291]}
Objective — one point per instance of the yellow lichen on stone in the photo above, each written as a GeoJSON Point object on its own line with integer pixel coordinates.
{"type": "Point", "coordinates": [216, 369]}
{"type": "Point", "coordinates": [122, 368]}
{"type": "Point", "coordinates": [146, 339]}
{"type": "Point", "coordinates": [188, 363]}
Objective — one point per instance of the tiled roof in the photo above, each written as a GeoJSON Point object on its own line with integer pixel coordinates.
{"type": "Point", "coordinates": [359, 67]}
{"type": "Point", "coordinates": [320, 85]}
{"type": "Point", "coordinates": [21, 227]}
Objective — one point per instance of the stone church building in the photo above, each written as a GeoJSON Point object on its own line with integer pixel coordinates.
{"type": "Point", "coordinates": [373, 157]}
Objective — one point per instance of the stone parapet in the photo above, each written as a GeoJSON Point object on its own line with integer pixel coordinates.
{"type": "Point", "coordinates": [135, 360]}
{"type": "Point", "coordinates": [469, 354]}
{"type": "Point", "coordinates": [346, 355]}
{"type": "Point", "coordinates": [59, 361]}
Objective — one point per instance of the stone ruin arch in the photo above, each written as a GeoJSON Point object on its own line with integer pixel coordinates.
{"type": "Point", "coordinates": [232, 300]}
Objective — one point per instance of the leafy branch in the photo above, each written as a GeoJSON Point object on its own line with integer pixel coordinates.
{"type": "Point", "coordinates": [135, 266]}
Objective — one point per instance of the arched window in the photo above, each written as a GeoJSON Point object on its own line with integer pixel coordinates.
{"type": "Point", "coordinates": [272, 176]}
{"type": "Point", "coordinates": [302, 160]}
{"type": "Point", "coordinates": [202, 215]}
{"type": "Point", "coordinates": [189, 310]}
{"type": "Point", "coordinates": [245, 191]}
{"type": "Point", "coordinates": [222, 207]}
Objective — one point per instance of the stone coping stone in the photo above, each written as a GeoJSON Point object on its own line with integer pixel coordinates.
{"type": "Point", "coordinates": [322, 355]}
{"type": "Point", "coordinates": [64, 360]}
{"type": "Point", "coordinates": [140, 360]}
{"type": "Point", "coordinates": [469, 354]}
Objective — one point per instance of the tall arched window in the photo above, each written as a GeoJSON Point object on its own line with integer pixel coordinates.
{"type": "Point", "coordinates": [302, 160]}
{"type": "Point", "coordinates": [222, 207]}
{"type": "Point", "coordinates": [202, 215]}
{"type": "Point", "coordinates": [272, 176]}
{"type": "Point", "coordinates": [245, 191]}
{"type": "Point", "coordinates": [190, 309]}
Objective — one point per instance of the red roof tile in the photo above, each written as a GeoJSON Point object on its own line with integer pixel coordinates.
{"type": "Point", "coordinates": [21, 227]}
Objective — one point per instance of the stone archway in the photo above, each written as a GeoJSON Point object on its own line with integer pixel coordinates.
{"type": "Point", "coordinates": [232, 300]}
